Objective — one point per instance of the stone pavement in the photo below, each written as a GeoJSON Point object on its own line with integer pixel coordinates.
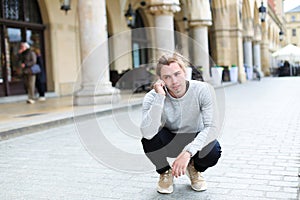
{"type": "Point", "coordinates": [260, 159]}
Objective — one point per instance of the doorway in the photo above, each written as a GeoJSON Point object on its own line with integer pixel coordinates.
{"type": "Point", "coordinates": [20, 22]}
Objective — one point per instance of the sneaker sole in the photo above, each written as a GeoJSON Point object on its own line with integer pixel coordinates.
{"type": "Point", "coordinates": [199, 190]}
{"type": "Point", "coordinates": [165, 191]}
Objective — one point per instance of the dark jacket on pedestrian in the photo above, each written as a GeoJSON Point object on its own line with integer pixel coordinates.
{"type": "Point", "coordinates": [28, 57]}
{"type": "Point", "coordinates": [41, 77]}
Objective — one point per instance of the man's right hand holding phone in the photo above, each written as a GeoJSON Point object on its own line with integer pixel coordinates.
{"type": "Point", "coordinates": [159, 87]}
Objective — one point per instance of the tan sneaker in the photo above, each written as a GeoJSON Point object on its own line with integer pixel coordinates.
{"type": "Point", "coordinates": [42, 98]}
{"type": "Point", "coordinates": [165, 183]}
{"type": "Point", "coordinates": [197, 181]}
{"type": "Point", "coordinates": [30, 101]}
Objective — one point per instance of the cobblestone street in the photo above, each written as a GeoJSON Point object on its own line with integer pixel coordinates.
{"type": "Point", "coordinates": [260, 159]}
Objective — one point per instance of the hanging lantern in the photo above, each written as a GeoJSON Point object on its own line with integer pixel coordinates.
{"type": "Point", "coordinates": [281, 34]}
{"type": "Point", "coordinates": [262, 12]}
{"type": "Point", "coordinates": [65, 5]}
{"type": "Point", "coordinates": [130, 17]}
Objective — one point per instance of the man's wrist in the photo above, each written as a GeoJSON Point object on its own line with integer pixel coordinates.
{"type": "Point", "coordinates": [190, 154]}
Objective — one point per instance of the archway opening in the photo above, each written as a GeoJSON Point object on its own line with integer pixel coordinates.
{"type": "Point", "coordinates": [20, 21]}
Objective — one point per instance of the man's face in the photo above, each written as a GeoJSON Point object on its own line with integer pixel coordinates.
{"type": "Point", "coordinates": [174, 78]}
{"type": "Point", "coordinates": [22, 47]}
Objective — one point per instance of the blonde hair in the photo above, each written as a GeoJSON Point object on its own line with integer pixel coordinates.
{"type": "Point", "coordinates": [167, 59]}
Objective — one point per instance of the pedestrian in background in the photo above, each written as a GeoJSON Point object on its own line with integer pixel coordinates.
{"type": "Point", "coordinates": [180, 120]}
{"type": "Point", "coordinates": [40, 77]}
{"type": "Point", "coordinates": [28, 59]}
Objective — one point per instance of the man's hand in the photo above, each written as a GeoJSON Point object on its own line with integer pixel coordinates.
{"type": "Point", "coordinates": [159, 87]}
{"type": "Point", "coordinates": [180, 164]}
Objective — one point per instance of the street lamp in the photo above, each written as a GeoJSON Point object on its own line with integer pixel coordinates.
{"type": "Point", "coordinates": [262, 12]}
{"type": "Point", "coordinates": [130, 16]}
{"type": "Point", "coordinates": [281, 33]}
{"type": "Point", "coordinates": [65, 5]}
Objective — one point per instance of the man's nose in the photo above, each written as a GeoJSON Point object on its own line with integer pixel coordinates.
{"type": "Point", "coordinates": [174, 79]}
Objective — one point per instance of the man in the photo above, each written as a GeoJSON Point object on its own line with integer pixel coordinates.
{"type": "Point", "coordinates": [180, 120]}
{"type": "Point", "coordinates": [28, 59]}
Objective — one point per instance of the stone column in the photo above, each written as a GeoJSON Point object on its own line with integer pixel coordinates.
{"type": "Point", "coordinates": [95, 85]}
{"type": "Point", "coordinates": [256, 56]}
{"type": "Point", "coordinates": [248, 56]}
{"type": "Point", "coordinates": [200, 47]}
{"type": "Point", "coordinates": [264, 48]}
{"type": "Point", "coordinates": [163, 12]}
{"type": "Point", "coordinates": [199, 19]}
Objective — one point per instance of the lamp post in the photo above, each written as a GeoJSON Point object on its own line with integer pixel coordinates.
{"type": "Point", "coordinates": [262, 12]}
{"type": "Point", "coordinates": [65, 5]}
{"type": "Point", "coordinates": [281, 34]}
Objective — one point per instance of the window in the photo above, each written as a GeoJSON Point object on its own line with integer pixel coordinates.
{"type": "Point", "coordinates": [293, 32]}
{"type": "Point", "coordinates": [20, 10]}
{"type": "Point", "coordinates": [12, 9]}
{"type": "Point", "coordinates": [293, 18]}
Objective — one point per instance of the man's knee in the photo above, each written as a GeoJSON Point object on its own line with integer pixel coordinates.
{"type": "Point", "coordinates": [202, 161]}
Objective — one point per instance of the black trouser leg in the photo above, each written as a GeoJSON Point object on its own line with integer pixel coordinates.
{"type": "Point", "coordinates": [207, 157]}
{"type": "Point", "coordinates": [42, 89]}
{"type": "Point", "coordinates": [167, 144]}
{"type": "Point", "coordinates": [155, 149]}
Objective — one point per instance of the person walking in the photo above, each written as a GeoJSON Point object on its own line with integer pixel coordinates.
{"type": "Point", "coordinates": [28, 59]}
{"type": "Point", "coordinates": [40, 77]}
{"type": "Point", "coordinates": [180, 120]}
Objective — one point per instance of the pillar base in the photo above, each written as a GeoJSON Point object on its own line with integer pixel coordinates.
{"type": "Point", "coordinates": [90, 96]}
{"type": "Point", "coordinates": [242, 77]}
{"type": "Point", "coordinates": [266, 72]}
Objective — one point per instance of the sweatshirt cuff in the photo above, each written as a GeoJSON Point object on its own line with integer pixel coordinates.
{"type": "Point", "coordinates": [190, 149]}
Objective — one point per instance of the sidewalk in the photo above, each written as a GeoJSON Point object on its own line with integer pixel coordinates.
{"type": "Point", "coordinates": [19, 118]}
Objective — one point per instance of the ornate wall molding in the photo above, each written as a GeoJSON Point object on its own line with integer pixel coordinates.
{"type": "Point", "coordinates": [164, 7]}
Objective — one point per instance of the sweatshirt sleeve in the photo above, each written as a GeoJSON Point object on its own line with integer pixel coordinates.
{"type": "Point", "coordinates": [152, 109]}
{"type": "Point", "coordinates": [210, 117]}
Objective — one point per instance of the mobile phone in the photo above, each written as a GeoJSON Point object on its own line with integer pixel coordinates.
{"type": "Point", "coordinates": [165, 88]}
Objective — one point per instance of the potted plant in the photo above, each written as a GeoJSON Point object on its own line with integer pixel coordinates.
{"type": "Point", "coordinates": [216, 73]}
{"type": "Point", "coordinates": [233, 73]}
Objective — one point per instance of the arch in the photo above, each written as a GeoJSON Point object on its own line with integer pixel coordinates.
{"type": "Point", "coordinates": [256, 23]}
{"type": "Point", "coordinates": [20, 21]}
{"type": "Point", "coordinates": [247, 19]}
{"type": "Point", "coordinates": [220, 13]}
{"type": "Point", "coordinates": [256, 19]}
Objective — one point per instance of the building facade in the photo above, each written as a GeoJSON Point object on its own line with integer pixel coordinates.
{"type": "Point", "coordinates": [293, 26]}
{"type": "Point", "coordinates": [83, 47]}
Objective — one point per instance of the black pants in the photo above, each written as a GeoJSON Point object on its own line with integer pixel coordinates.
{"type": "Point", "coordinates": [167, 144]}
{"type": "Point", "coordinates": [41, 88]}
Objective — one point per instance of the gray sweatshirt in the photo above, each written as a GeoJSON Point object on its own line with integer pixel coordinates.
{"type": "Point", "coordinates": [195, 112]}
